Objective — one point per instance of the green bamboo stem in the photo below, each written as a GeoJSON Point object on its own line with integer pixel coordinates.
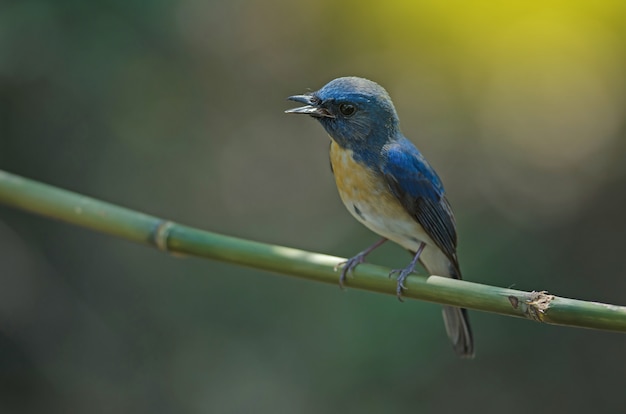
{"type": "Point", "coordinates": [49, 201]}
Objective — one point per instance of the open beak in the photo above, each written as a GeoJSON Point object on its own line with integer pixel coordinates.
{"type": "Point", "coordinates": [311, 107]}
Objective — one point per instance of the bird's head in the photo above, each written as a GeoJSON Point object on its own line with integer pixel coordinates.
{"type": "Point", "coordinates": [355, 112]}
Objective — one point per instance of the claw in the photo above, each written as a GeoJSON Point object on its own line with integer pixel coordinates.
{"type": "Point", "coordinates": [350, 264]}
{"type": "Point", "coordinates": [348, 267]}
{"type": "Point", "coordinates": [404, 273]}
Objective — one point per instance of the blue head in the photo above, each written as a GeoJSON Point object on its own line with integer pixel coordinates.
{"type": "Point", "coordinates": [357, 113]}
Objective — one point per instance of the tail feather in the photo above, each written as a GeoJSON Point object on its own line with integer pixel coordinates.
{"type": "Point", "coordinates": [459, 331]}
{"type": "Point", "coordinates": [455, 319]}
{"type": "Point", "coordinates": [457, 323]}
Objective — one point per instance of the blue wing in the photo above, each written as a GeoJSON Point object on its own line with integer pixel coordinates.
{"type": "Point", "coordinates": [418, 188]}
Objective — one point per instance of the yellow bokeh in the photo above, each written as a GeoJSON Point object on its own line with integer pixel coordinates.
{"type": "Point", "coordinates": [541, 82]}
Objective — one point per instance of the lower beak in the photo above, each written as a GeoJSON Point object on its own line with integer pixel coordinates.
{"type": "Point", "coordinates": [311, 107]}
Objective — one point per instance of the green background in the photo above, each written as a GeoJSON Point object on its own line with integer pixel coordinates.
{"type": "Point", "coordinates": [176, 108]}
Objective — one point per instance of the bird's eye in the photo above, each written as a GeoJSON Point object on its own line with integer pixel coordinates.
{"type": "Point", "coordinates": [347, 109]}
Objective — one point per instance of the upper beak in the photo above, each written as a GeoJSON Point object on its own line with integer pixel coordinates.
{"type": "Point", "coordinates": [311, 107]}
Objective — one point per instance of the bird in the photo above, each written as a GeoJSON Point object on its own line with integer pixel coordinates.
{"type": "Point", "coordinates": [385, 182]}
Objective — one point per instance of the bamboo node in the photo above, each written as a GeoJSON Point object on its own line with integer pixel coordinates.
{"type": "Point", "coordinates": [538, 303]}
{"type": "Point", "coordinates": [161, 234]}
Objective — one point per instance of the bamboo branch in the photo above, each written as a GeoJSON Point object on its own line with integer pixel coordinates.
{"type": "Point", "coordinates": [49, 201]}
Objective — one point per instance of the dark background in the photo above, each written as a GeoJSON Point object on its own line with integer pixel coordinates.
{"type": "Point", "coordinates": [176, 108]}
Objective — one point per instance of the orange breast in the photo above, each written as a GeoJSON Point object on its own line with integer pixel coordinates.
{"type": "Point", "coordinates": [360, 187]}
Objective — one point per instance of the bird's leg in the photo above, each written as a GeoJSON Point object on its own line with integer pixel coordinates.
{"type": "Point", "coordinates": [350, 264]}
{"type": "Point", "coordinates": [404, 273]}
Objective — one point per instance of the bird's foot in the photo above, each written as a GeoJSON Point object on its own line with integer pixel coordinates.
{"type": "Point", "coordinates": [348, 267]}
{"type": "Point", "coordinates": [402, 275]}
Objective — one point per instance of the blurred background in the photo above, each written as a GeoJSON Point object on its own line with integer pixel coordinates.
{"type": "Point", "coordinates": [175, 108]}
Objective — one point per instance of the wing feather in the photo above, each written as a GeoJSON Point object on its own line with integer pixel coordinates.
{"type": "Point", "coordinates": [418, 188]}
